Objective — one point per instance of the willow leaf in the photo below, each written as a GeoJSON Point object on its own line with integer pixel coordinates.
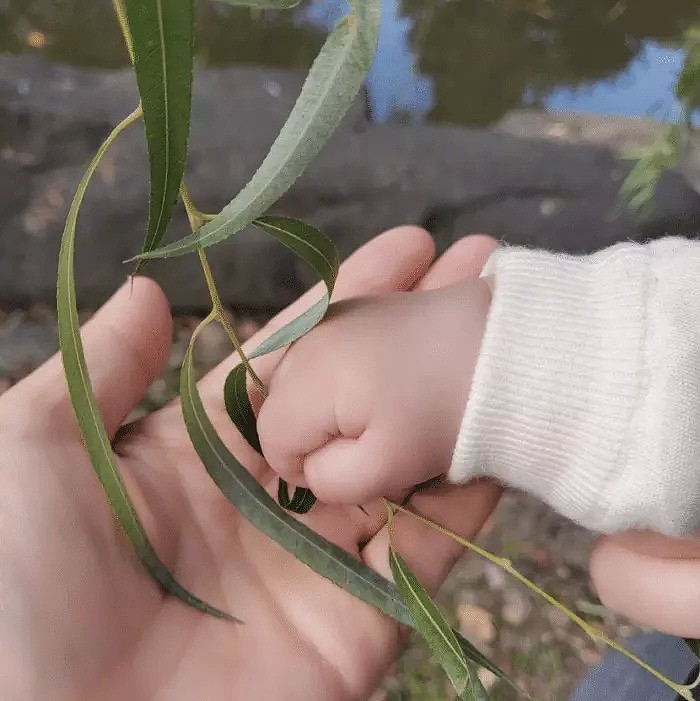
{"type": "Point", "coordinates": [84, 402]}
{"type": "Point", "coordinates": [333, 82]}
{"type": "Point", "coordinates": [307, 242]}
{"type": "Point", "coordinates": [431, 624]}
{"type": "Point", "coordinates": [162, 33]}
{"type": "Point", "coordinates": [261, 510]}
{"type": "Point", "coordinates": [301, 502]}
{"type": "Point", "coordinates": [240, 411]}
{"type": "Point", "coordinates": [316, 249]}
{"type": "Point", "coordinates": [238, 406]}
{"type": "Point", "coordinates": [263, 4]}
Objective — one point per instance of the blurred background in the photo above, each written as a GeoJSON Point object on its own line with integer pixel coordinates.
{"type": "Point", "coordinates": [508, 117]}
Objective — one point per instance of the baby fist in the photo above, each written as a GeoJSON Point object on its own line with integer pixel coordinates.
{"type": "Point", "coordinates": [369, 404]}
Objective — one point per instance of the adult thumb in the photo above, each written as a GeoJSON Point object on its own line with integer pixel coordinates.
{"type": "Point", "coordinates": [126, 345]}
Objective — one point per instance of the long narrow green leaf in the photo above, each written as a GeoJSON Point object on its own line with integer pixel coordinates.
{"type": "Point", "coordinates": [238, 406]}
{"type": "Point", "coordinates": [240, 411]}
{"type": "Point", "coordinates": [333, 81]}
{"type": "Point", "coordinates": [431, 624]}
{"type": "Point", "coordinates": [263, 4]}
{"type": "Point", "coordinates": [319, 252]}
{"type": "Point", "coordinates": [307, 242]}
{"type": "Point", "coordinates": [162, 32]}
{"type": "Point", "coordinates": [84, 401]}
{"type": "Point", "coordinates": [260, 509]}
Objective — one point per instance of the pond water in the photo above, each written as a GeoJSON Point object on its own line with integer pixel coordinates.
{"type": "Point", "coordinates": [459, 61]}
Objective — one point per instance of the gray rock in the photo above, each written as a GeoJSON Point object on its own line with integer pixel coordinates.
{"type": "Point", "coordinates": [533, 190]}
{"type": "Point", "coordinates": [25, 344]}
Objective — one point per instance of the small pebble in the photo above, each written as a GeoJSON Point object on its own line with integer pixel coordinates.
{"type": "Point", "coordinates": [487, 678]}
{"type": "Point", "coordinates": [516, 608]}
{"type": "Point", "coordinates": [557, 618]}
{"type": "Point", "coordinates": [563, 572]}
{"type": "Point", "coordinates": [476, 623]}
{"type": "Point", "coordinates": [496, 578]}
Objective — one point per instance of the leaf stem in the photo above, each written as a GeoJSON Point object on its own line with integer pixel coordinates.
{"type": "Point", "coordinates": [506, 565]}
{"type": "Point", "coordinates": [197, 219]}
{"type": "Point", "coordinates": [120, 11]}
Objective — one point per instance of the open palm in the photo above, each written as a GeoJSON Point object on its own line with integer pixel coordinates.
{"type": "Point", "coordinates": [79, 616]}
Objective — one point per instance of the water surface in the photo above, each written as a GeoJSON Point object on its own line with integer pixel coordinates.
{"type": "Point", "coordinates": [459, 61]}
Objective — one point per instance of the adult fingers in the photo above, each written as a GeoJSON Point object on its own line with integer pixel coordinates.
{"type": "Point", "coordinates": [650, 579]}
{"type": "Point", "coordinates": [126, 347]}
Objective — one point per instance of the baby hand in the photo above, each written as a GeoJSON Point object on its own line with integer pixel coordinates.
{"type": "Point", "coordinates": [369, 404]}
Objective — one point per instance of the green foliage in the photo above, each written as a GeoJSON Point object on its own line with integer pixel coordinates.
{"type": "Point", "coordinates": [688, 88]}
{"type": "Point", "coordinates": [238, 406]}
{"type": "Point", "coordinates": [651, 163]}
{"type": "Point", "coordinates": [301, 502]}
{"type": "Point", "coordinates": [318, 251]}
{"type": "Point", "coordinates": [160, 35]}
{"type": "Point", "coordinates": [431, 624]}
{"type": "Point", "coordinates": [332, 84]}
{"type": "Point", "coordinates": [263, 4]}
{"type": "Point", "coordinates": [668, 151]}
{"type": "Point", "coordinates": [162, 41]}
{"type": "Point", "coordinates": [92, 427]}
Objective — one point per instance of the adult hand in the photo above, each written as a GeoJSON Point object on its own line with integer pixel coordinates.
{"type": "Point", "coordinates": [79, 615]}
{"type": "Point", "coordinates": [651, 579]}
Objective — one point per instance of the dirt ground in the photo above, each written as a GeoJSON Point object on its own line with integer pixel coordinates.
{"type": "Point", "coordinates": [543, 651]}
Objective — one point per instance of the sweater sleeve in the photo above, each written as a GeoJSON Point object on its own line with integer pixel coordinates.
{"type": "Point", "coordinates": [586, 392]}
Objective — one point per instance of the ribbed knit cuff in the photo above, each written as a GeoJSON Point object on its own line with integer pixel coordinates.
{"type": "Point", "coordinates": [559, 383]}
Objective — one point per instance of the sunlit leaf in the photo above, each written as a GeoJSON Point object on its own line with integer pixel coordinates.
{"type": "Point", "coordinates": [333, 82]}
{"type": "Point", "coordinates": [162, 33]}
{"type": "Point", "coordinates": [688, 85]}
{"type": "Point", "coordinates": [431, 624]}
{"type": "Point", "coordinates": [639, 188]}
{"type": "Point", "coordinates": [316, 249]}
{"type": "Point", "coordinates": [260, 509]}
{"type": "Point", "coordinates": [85, 404]}
{"type": "Point", "coordinates": [295, 329]}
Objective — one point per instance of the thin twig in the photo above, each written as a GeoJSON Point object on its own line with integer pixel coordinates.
{"type": "Point", "coordinates": [506, 565]}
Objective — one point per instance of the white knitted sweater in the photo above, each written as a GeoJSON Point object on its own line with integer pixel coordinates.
{"type": "Point", "coordinates": [587, 388]}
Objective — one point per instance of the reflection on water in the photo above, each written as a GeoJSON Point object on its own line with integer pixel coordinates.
{"type": "Point", "coordinates": [464, 61]}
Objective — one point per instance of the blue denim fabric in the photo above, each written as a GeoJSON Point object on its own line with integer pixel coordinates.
{"type": "Point", "coordinates": [618, 679]}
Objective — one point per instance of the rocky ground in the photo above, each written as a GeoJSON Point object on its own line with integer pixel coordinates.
{"type": "Point", "coordinates": [542, 650]}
